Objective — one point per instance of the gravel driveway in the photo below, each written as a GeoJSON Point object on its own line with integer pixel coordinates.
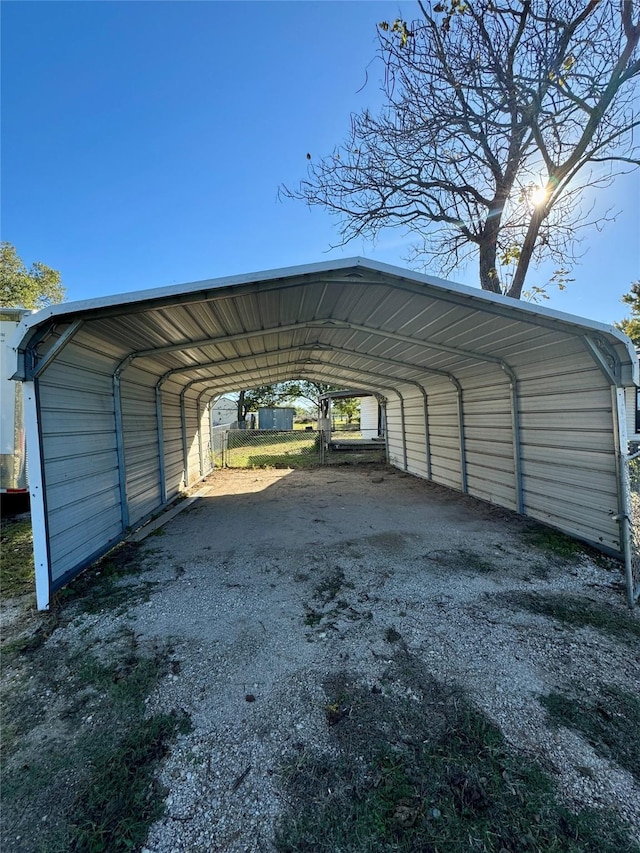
{"type": "Point", "coordinates": [274, 582]}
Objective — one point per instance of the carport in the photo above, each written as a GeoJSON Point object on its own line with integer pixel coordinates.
{"type": "Point", "coordinates": [515, 404]}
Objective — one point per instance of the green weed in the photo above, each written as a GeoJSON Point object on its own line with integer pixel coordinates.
{"type": "Point", "coordinates": [552, 542]}
{"type": "Point", "coordinates": [329, 586]}
{"type": "Point", "coordinates": [119, 798]}
{"type": "Point", "coordinates": [107, 584]}
{"type": "Point", "coordinates": [312, 618]}
{"type": "Point", "coordinates": [578, 612]}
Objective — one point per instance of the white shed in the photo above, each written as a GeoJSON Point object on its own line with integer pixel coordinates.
{"type": "Point", "coordinates": [369, 417]}
{"type": "Point", "coordinates": [512, 403]}
{"type": "Point", "coordinates": [223, 411]}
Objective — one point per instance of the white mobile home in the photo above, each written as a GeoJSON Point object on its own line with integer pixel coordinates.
{"type": "Point", "coordinates": [633, 412]}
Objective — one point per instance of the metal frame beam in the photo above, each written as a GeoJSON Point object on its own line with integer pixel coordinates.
{"type": "Point", "coordinates": [605, 358]}
{"type": "Point", "coordinates": [303, 348]}
{"type": "Point", "coordinates": [35, 368]}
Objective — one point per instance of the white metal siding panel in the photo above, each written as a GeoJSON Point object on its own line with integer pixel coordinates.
{"type": "Point", "coordinates": [488, 429]}
{"type": "Point", "coordinates": [444, 438]}
{"type": "Point", "coordinates": [587, 523]}
{"type": "Point", "coordinates": [193, 440]}
{"type": "Point", "coordinates": [569, 466]}
{"type": "Point", "coordinates": [394, 432]}
{"type": "Point", "coordinates": [415, 431]}
{"type": "Point", "coordinates": [80, 462]}
{"type": "Point", "coordinates": [224, 412]}
{"type": "Point", "coordinates": [140, 430]}
{"type": "Point", "coordinates": [76, 543]}
{"type": "Point", "coordinates": [172, 443]}
{"type": "Point", "coordinates": [565, 358]}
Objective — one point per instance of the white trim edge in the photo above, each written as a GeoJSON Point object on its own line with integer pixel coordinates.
{"type": "Point", "coordinates": [36, 491]}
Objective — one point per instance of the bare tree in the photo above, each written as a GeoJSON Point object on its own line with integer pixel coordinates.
{"type": "Point", "coordinates": [305, 389]}
{"type": "Point", "coordinates": [497, 116]}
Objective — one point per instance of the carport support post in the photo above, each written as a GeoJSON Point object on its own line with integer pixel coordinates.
{"type": "Point", "coordinates": [515, 431]}
{"type": "Point", "coordinates": [160, 428]}
{"type": "Point", "coordinates": [37, 494]}
{"type": "Point", "coordinates": [122, 471]}
{"type": "Point", "coordinates": [427, 440]}
{"type": "Point", "coordinates": [200, 442]}
{"type": "Point", "coordinates": [185, 448]}
{"type": "Point", "coordinates": [463, 452]}
{"type": "Point", "coordinates": [404, 432]}
{"type": "Point", "coordinates": [383, 406]}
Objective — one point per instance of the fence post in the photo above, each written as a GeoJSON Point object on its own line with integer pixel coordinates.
{"type": "Point", "coordinates": [624, 517]}
{"type": "Point", "coordinates": [629, 523]}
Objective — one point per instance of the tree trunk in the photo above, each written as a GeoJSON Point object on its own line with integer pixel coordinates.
{"type": "Point", "coordinates": [241, 407]}
{"type": "Point", "coordinates": [526, 253]}
{"type": "Point", "coordinates": [488, 274]}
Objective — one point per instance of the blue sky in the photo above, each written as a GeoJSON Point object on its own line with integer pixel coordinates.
{"type": "Point", "coordinates": [143, 143]}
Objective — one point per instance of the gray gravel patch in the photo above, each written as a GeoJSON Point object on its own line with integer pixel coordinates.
{"type": "Point", "coordinates": [273, 582]}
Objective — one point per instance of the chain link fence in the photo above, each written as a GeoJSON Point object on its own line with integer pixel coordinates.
{"type": "Point", "coordinates": [258, 448]}
{"type": "Point", "coordinates": [218, 442]}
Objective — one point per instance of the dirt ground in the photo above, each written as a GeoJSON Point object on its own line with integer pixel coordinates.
{"type": "Point", "coordinates": [273, 584]}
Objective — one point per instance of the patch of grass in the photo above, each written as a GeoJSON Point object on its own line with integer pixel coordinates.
{"type": "Point", "coordinates": [270, 449]}
{"type": "Point", "coordinates": [429, 773]}
{"type": "Point", "coordinates": [578, 612]}
{"type": "Point", "coordinates": [29, 642]}
{"type": "Point", "coordinates": [95, 774]}
{"type": "Point", "coordinates": [119, 798]}
{"type": "Point", "coordinates": [356, 457]}
{"type": "Point", "coordinates": [475, 562]}
{"type": "Point", "coordinates": [16, 558]}
{"type": "Point", "coordinates": [608, 721]}
{"type": "Point", "coordinates": [463, 559]}
{"type": "Point", "coordinates": [129, 677]}
{"type": "Point", "coordinates": [101, 587]}
{"type": "Point", "coordinates": [552, 542]}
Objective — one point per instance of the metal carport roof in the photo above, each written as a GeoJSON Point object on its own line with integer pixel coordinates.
{"type": "Point", "coordinates": [510, 402]}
